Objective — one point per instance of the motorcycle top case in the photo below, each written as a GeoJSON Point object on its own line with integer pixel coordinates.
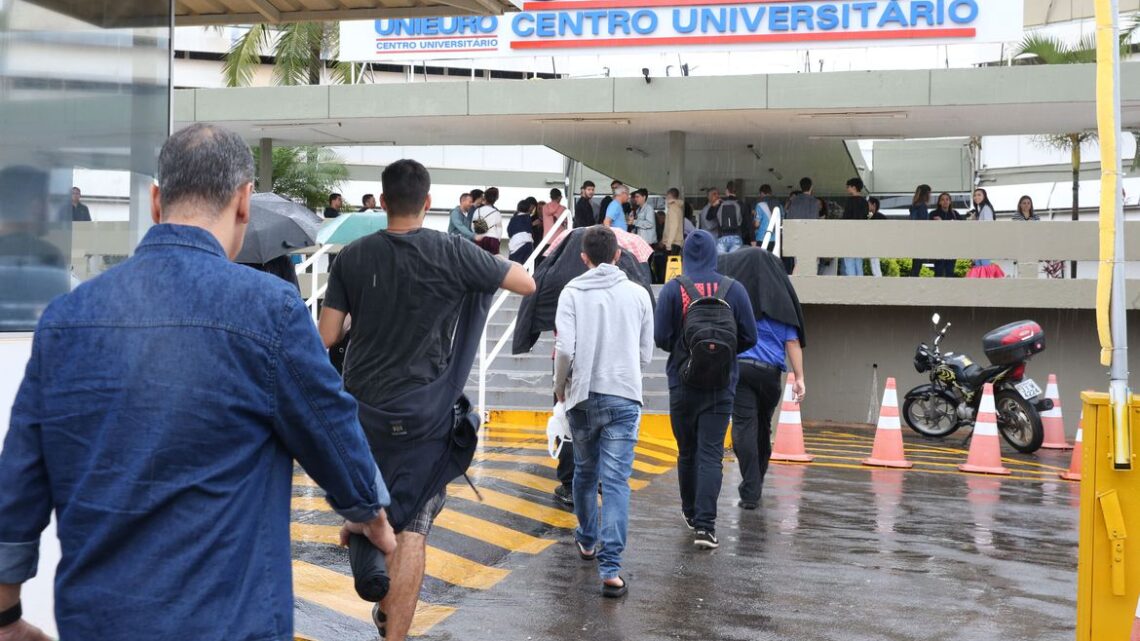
{"type": "Point", "coordinates": [1015, 342]}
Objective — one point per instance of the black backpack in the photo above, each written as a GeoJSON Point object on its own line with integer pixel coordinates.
{"type": "Point", "coordinates": [708, 336]}
{"type": "Point", "coordinates": [729, 217]}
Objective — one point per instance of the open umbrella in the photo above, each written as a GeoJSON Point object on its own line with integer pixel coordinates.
{"type": "Point", "coordinates": [632, 243]}
{"type": "Point", "coordinates": [277, 226]}
{"type": "Point", "coordinates": [346, 228]}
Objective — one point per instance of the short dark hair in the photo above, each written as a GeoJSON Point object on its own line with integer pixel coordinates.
{"type": "Point", "coordinates": [730, 186]}
{"type": "Point", "coordinates": [556, 194]}
{"type": "Point", "coordinates": [476, 194]}
{"type": "Point", "coordinates": [615, 183]}
{"type": "Point", "coordinates": [333, 196]}
{"type": "Point", "coordinates": [873, 201]}
{"type": "Point", "coordinates": [588, 183]}
{"type": "Point", "coordinates": [406, 184]}
{"type": "Point", "coordinates": [805, 184]}
{"type": "Point", "coordinates": [599, 244]}
{"type": "Point", "coordinates": [203, 164]}
{"type": "Point", "coordinates": [76, 189]}
{"type": "Point", "coordinates": [524, 206]}
{"type": "Point", "coordinates": [643, 192]}
{"type": "Point", "coordinates": [856, 182]}
{"type": "Point", "coordinates": [674, 192]}
{"type": "Point", "coordinates": [368, 197]}
{"type": "Point", "coordinates": [532, 200]}
{"type": "Point", "coordinates": [491, 195]}
{"type": "Point", "coordinates": [766, 189]}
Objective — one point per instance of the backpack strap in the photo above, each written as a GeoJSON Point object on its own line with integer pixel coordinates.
{"type": "Point", "coordinates": [690, 288]}
{"type": "Point", "coordinates": [723, 286]}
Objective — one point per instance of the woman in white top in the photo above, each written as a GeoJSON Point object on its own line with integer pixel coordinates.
{"type": "Point", "coordinates": [490, 240]}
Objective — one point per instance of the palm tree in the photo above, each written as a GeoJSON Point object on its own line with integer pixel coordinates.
{"type": "Point", "coordinates": [307, 174]}
{"type": "Point", "coordinates": [301, 52]}
{"type": "Point", "coordinates": [1045, 49]}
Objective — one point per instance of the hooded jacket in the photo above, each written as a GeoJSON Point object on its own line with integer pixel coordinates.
{"type": "Point", "coordinates": [698, 262]}
{"type": "Point", "coordinates": [605, 336]}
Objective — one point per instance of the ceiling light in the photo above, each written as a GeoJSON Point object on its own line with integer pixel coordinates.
{"type": "Point", "coordinates": [583, 121]}
{"type": "Point", "coordinates": [638, 150]}
{"type": "Point", "coordinates": [855, 115]}
{"type": "Point", "coordinates": [290, 125]}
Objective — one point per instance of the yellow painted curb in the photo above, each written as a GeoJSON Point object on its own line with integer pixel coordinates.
{"type": "Point", "coordinates": [656, 426]}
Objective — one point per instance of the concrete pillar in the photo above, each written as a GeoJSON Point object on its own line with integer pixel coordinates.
{"type": "Point", "coordinates": [677, 160]}
{"type": "Point", "coordinates": [265, 168]}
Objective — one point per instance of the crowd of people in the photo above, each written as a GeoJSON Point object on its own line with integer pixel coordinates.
{"type": "Point", "coordinates": [165, 401]}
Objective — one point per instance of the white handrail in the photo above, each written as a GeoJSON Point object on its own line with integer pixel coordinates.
{"type": "Point", "coordinates": [485, 360]}
{"type": "Point", "coordinates": [315, 292]}
{"type": "Point", "coordinates": [773, 231]}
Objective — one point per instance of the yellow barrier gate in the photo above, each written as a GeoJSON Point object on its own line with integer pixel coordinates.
{"type": "Point", "coordinates": [1108, 583]}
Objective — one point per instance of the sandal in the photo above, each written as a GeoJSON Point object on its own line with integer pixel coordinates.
{"type": "Point", "coordinates": [615, 591]}
{"type": "Point", "coordinates": [587, 555]}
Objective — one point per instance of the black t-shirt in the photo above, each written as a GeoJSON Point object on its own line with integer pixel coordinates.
{"type": "Point", "coordinates": [404, 292]}
{"type": "Point", "coordinates": [331, 213]}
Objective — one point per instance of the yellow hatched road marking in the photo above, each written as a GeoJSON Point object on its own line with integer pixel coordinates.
{"type": "Point", "coordinates": [440, 564]}
{"type": "Point", "coordinates": [535, 482]}
{"type": "Point", "coordinates": [920, 457]}
{"type": "Point", "coordinates": [541, 445]}
{"type": "Point", "coordinates": [925, 465]}
{"type": "Point", "coordinates": [640, 466]}
{"type": "Point", "coordinates": [922, 451]}
{"type": "Point", "coordinates": [491, 533]}
{"type": "Point", "coordinates": [515, 505]}
{"type": "Point", "coordinates": [335, 591]}
{"type": "Point", "coordinates": [525, 431]}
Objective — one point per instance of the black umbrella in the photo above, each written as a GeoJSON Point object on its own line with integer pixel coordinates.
{"type": "Point", "coordinates": [536, 313]}
{"type": "Point", "coordinates": [277, 226]}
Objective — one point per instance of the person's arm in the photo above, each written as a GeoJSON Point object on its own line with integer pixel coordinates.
{"type": "Point", "coordinates": [796, 360]}
{"type": "Point", "coordinates": [565, 338]}
{"type": "Point", "coordinates": [459, 224]}
{"type": "Point", "coordinates": [518, 281]}
{"type": "Point", "coordinates": [646, 329]}
{"type": "Point", "coordinates": [331, 326]}
{"type": "Point", "coordinates": [667, 302]}
{"type": "Point", "coordinates": [317, 422]}
{"type": "Point", "coordinates": [609, 222]}
{"type": "Point", "coordinates": [745, 319]}
{"type": "Point", "coordinates": [25, 502]}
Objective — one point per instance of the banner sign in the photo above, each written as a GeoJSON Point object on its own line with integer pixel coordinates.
{"type": "Point", "coordinates": [568, 27]}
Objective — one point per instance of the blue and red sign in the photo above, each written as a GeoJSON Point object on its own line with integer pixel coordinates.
{"type": "Point", "coordinates": [565, 27]}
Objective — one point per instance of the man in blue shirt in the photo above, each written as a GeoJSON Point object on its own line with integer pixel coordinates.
{"type": "Point", "coordinates": [615, 212]}
{"type": "Point", "coordinates": [159, 417]}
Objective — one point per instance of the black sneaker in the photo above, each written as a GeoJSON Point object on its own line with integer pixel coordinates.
{"type": "Point", "coordinates": [706, 540]}
{"type": "Point", "coordinates": [689, 522]}
{"type": "Point", "coordinates": [564, 496]}
{"type": "Point", "coordinates": [748, 505]}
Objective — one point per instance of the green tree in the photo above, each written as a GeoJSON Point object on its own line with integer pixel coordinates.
{"type": "Point", "coordinates": [1038, 48]}
{"type": "Point", "coordinates": [307, 174]}
{"type": "Point", "coordinates": [301, 52]}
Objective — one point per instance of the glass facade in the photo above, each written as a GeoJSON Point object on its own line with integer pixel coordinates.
{"type": "Point", "coordinates": [83, 86]}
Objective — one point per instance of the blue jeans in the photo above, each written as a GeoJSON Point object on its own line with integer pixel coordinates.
{"type": "Point", "coordinates": [605, 432]}
{"type": "Point", "coordinates": [728, 244]}
{"type": "Point", "coordinates": [852, 266]}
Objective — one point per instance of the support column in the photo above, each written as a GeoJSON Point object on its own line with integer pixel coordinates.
{"type": "Point", "coordinates": [265, 168]}
{"type": "Point", "coordinates": [677, 161]}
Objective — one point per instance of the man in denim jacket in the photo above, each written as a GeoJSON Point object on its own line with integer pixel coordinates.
{"type": "Point", "coordinates": [159, 417]}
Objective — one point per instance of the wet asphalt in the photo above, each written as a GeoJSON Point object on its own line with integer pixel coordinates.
{"type": "Point", "coordinates": [834, 553]}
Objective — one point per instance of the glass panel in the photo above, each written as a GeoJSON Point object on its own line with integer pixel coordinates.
{"type": "Point", "coordinates": [84, 89]}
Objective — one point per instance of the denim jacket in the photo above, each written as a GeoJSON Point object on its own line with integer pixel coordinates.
{"type": "Point", "coordinates": [159, 417]}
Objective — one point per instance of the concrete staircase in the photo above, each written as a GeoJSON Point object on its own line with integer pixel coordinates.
{"type": "Point", "coordinates": [525, 382]}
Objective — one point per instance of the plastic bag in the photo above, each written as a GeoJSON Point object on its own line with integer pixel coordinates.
{"type": "Point", "coordinates": [557, 431]}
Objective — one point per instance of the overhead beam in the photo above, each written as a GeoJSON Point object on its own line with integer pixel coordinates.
{"type": "Point", "coordinates": [439, 10]}
{"type": "Point", "coordinates": [271, 13]}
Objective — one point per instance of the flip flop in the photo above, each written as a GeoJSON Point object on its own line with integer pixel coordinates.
{"type": "Point", "coordinates": [587, 555]}
{"type": "Point", "coordinates": [615, 591]}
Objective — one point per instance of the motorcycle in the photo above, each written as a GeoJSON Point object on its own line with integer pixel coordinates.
{"type": "Point", "coordinates": [952, 397]}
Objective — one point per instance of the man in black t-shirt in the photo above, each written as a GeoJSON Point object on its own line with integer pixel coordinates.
{"type": "Point", "coordinates": [336, 201]}
{"type": "Point", "coordinates": [403, 288]}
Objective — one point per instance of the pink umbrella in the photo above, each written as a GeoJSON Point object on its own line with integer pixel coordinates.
{"type": "Point", "coordinates": [632, 243]}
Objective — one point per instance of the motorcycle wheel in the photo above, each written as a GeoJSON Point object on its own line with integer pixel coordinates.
{"type": "Point", "coordinates": [1018, 422]}
{"type": "Point", "coordinates": [931, 415]}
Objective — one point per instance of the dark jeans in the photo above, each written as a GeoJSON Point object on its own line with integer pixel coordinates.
{"type": "Point", "coordinates": [700, 420]}
{"type": "Point", "coordinates": [944, 268]}
{"type": "Point", "coordinates": [916, 267]}
{"type": "Point", "coordinates": [757, 397]}
{"type": "Point", "coordinates": [789, 265]}
{"type": "Point", "coordinates": [566, 467]}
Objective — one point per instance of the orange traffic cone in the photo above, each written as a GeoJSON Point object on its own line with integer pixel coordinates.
{"type": "Point", "coordinates": [1074, 473]}
{"type": "Point", "coordinates": [985, 448]}
{"type": "Point", "coordinates": [789, 444]}
{"type": "Point", "coordinates": [888, 449]}
{"type": "Point", "coordinates": [1053, 421]}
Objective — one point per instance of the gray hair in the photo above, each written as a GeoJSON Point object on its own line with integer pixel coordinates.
{"type": "Point", "coordinates": [621, 189]}
{"type": "Point", "coordinates": [204, 165]}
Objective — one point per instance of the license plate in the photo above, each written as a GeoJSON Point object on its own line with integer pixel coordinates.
{"type": "Point", "coordinates": [1028, 389]}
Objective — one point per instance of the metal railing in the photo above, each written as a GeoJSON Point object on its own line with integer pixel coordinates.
{"type": "Point", "coordinates": [316, 291]}
{"type": "Point", "coordinates": [561, 225]}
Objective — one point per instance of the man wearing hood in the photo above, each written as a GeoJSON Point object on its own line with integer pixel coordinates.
{"type": "Point", "coordinates": [700, 416]}
{"type": "Point", "coordinates": [604, 339]}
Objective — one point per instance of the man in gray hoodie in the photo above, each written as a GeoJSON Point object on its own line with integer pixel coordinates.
{"type": "Point", "coordinates": [605, 337]}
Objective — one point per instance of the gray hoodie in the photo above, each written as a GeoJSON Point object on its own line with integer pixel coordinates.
{"type": "Point", "coordinates": [604, 326]}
